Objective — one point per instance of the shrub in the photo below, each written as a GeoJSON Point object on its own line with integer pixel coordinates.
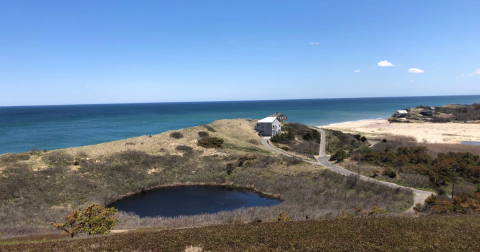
{"type": "Point", "coordinates": [357, 137]}
{"type": "Point", "coordinates": [296, 128]}
{"type": "Point", "coordinates": [59, 158]}
{"type": "Point", "coordinates": [94, 220]}
{"type": "Point", "coordinates": [253, 141]}
{"type": "Point", "coordinates": [14, 157]}
{"type": "Point", "coordinates": [285, 148]}
{"type": "Point", "coordinates": [203, 134]}
{"type": "Point", "coordinates": [184, 148]}
{"type": "Point", "coordinates": [363, 139]}
{"type": "Point", "coordinates": [339, 156]}
{"type": "Point", "coordinates": [312, 135]}
{"type": "Point", "coordinates": [283, 137]}
{"type": "Point", "coordinates": [283, 216]}
{"type": "Point", "coordinates": [230, 168]}
{"type": "Point", "coordinates": [176, 135]}
{"type": "Point", "coordinates": [384, 140]}
{"type": "Point", "coordinates": [210, 142]}
{"type": "Point", "coordinates": [209, 128]}
{"type": "Point", "coordinates": [441, 191]}
{"type": "Point", "coordinates": [310, 148]}
{"type": "Point", "coordinates": [389, 172]}
{"type": "Point", "coordinates": [291, 160]}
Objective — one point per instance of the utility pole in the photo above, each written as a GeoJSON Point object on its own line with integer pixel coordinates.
{"type": "Point", "coordinates": [454, 168]}
{"type": "Point", "coordinates": [359, 156]}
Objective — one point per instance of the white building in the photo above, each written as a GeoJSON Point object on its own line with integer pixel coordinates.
{"type": "Point", "coordinates": [269, 126]}
{"type": "Point", "coordinates": [400, 113]}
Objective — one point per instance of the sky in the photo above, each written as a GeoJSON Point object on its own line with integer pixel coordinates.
{"type": "Point", "coordinates": [91, 52]}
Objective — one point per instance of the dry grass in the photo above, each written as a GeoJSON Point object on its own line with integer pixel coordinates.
{"type": "Point", "coordinates": [434, 149]}
{"type": "Point", "coordinates": [430, 233]}
{"type": "Point", "coordinates": [409, 178]}
{"type": "Point", "coordinates": [47, 186]}
{"type": "Point", "coordinates": [392, 137]}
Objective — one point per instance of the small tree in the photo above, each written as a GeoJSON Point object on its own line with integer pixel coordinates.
{"type": "Point", "coordinates": [363, 139]}
{"type": "Point", "coordinates": [99, 219]}
{"type": "Point", "coordinates": [73, 224]}
{"type": "Point", "coordinates": [95, 219]}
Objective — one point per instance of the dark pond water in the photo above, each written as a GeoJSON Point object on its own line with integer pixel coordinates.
{"type": "Point", "coordinates": [190, 200]}
{"type": "Point", "coordinates": [471, 143]}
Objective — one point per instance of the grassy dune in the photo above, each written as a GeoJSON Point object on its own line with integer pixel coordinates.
{"type": "Point", "coordinates": [40, 187]}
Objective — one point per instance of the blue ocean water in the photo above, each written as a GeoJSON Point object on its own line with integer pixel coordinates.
{"type": "Point", "coordinates": [55, 127]}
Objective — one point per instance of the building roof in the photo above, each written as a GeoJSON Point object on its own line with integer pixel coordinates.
{"type": "Point", "coordinates": [267, 120]}
{"type": "Point", "coordinates": [402, 112]}
{"type": "Point", "coordinates": [276, 115]}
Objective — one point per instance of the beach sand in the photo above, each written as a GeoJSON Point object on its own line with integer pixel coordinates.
{"type": "Point", "coordinates": [422, 132]}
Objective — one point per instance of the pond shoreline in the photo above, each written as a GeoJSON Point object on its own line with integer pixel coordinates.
{"type": "Point", "coordinates": [222, 185]}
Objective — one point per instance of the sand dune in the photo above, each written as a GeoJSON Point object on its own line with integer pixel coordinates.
{"type": "Point", "coordinates": [422, 132]}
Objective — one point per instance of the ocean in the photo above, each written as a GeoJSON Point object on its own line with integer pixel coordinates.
{"type": "Point", "coordinates": [54, 127]}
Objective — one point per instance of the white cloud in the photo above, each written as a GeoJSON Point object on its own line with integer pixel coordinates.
{"type": "Point", "coordinates": [314, 43]}
{"type": "Point", "coordinates": [356, 71]}
{"type": "Point", "coordinates": [477, 71]}
{"type": "Point", "coordinates": [385, 64]}
{"type": "Point", "coordinates": [415, 70]}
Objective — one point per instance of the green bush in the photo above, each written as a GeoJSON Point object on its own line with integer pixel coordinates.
{"type": "Point", "coordinates": [312, 135]}
{"type": "Point", "coordinates": [283, 137]}
{"type": "Point", "coordinates": [176, 135]}
{"type": "Point", "coordinates": [210, 142]}
{"type": "Point", "coordinates": [184, 148]}
{"type": "Point", "coordinates": [203, 134]}
{"type": "Point", "coordinates": [209, 128]}
{"type": "Point", "coordinates": [390, 173]}
{"type": "Point", "coordinates": [339, 156]}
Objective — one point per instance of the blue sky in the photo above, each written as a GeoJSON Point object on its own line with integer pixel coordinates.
{"type": "Point", "coordinates": [83, 52]}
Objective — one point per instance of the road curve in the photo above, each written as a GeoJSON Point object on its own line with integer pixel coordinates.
{"type": "Point", "coordinates": [419, 196]}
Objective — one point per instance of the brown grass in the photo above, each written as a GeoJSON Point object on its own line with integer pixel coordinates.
{"type": "Point", "coordinates": [431, 233]}
{"type": "Point", "coordinates": [435, 148]}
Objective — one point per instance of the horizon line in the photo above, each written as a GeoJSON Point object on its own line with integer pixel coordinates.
{"type": "Point", "coordinates": [125, 103]}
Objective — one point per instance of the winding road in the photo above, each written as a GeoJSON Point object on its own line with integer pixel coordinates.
{"type": "Point", "coordinates": [419, 196]}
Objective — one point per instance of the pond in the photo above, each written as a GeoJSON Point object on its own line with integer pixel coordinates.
{"type": "Point", "coordinates": [190, 200]}
{"type": "Point", "coordinates": [471, 142]}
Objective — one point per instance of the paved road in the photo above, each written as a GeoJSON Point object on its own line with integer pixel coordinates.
{"type": "Point", "coordinates": [419, 195]}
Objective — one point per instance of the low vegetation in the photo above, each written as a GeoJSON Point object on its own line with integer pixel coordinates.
{"type": "Point", "coordinates": [93, 220]}
{"type": "Point", "coordinates": [467, 203]}
{"type": "Point", "coordinates": [427, 233]}
{"type": "Point", "coordinates": [176, 135]}
{"type": "Point", "coordinates": [411, 164]}
{"type": "Point", "coordinates": [210, 142]}
{"type": "Point", "coordinates": [337, 141]}
{"type": "Point", "coordinates": [47, 186]}
{"type": "Point", "coordinates": [299, 139]}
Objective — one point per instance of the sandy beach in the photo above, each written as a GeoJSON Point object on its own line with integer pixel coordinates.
{"type": "Point", "coordinates": [422, 132]}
